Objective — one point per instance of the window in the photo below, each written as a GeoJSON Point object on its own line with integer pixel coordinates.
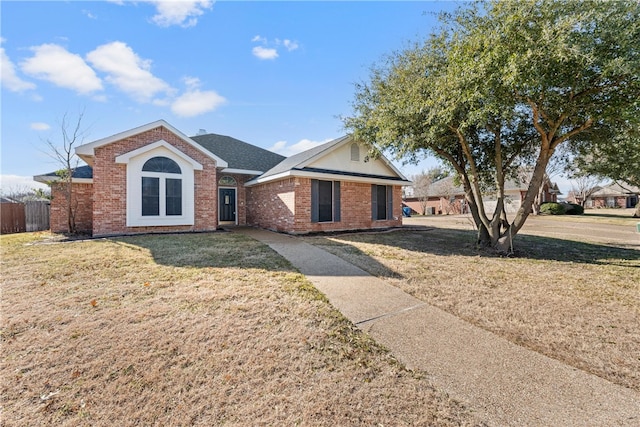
{"type": "Point", "coordinates": [150, 196]}
{"type": "Point", "coordinates": [381, 202]}
{"type": "Point", "coordinates": [355, 153]}
{"type": "Point", "coordinates": [161, 191]}
{"type": "Point", "coordinates": [325, 201]}
{"type": "Point", "coordinates": [227, 181]}
{"type": "Point", "coordinates": [160, 185]}
{"type": "Point", "coordinates": [173, 196]}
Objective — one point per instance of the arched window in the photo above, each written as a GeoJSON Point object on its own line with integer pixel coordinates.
{"type": "Point", "coordinates": [161, 189]}
{"type": "Point", "coordinates": [355, 152]}
{"type": "Point", "coordinates": [162, 165]}
{"type": "Point", "coordinates": [228, 181]}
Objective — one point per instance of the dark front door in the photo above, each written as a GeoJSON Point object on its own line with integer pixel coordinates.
{"type": "Point", "coordinates": [227, 202]}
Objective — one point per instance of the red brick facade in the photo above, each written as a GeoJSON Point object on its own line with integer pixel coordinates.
{"type": "Point", "coordinates": [110, 186]}
{"type": "Point", "coordinates": [285, 206]}
{"type": "Point", "coordinates": [81, 202]}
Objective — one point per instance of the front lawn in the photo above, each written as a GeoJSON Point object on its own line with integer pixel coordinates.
{"type": "Point", "coordinates": [200, 329]}
{"type": "Point", "coordinates": [575, 302]}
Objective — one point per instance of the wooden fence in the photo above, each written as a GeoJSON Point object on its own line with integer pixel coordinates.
{"type": "Point", "coordinates": [37, 215]}
{"type": "Point", "coordinates": [12, 218]}
{"type": "Point", "coordinates": [21, 217]}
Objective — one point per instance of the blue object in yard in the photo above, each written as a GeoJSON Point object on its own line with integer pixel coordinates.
{"type": "Point", "coordinates": [406, 211]}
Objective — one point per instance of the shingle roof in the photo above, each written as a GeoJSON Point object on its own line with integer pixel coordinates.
{"type": "Point", "coordinates": [82, 172]}
{"type": "Point", "coordinates": [615, 189]}
{"type": "Point", "coordinates": [239, 154]}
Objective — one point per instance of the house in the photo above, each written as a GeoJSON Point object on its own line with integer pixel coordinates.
{"type": "Point", "coordinates": [154, 178]}
{"type": "Point", "coordinates": [613, 195]}
{"type": "Point", "coordinates": [445, 196]}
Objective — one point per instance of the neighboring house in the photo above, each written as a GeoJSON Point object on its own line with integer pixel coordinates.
{"type": "Point", "coordinates": [445, 197]}
{"type": "Point", "coordinates": [156, 179]}
{"type": "Point", "coordinates": [613, 196]}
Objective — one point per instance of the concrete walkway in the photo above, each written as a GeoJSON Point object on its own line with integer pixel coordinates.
{"type": "Point", "coordinates": [504, 384]}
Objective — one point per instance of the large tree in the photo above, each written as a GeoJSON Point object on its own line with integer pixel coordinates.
{"type": "Point", "coordinates": [502, 85]}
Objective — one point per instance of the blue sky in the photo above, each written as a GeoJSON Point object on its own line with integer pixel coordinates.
{"type": "Point", "coordinates": [274, 74]}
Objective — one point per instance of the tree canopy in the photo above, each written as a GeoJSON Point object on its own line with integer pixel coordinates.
{"type": "Point", "coordinates": [502, 85]}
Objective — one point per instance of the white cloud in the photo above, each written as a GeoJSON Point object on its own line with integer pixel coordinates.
{"type": "Point", "coordinates": [16, 183]}
{"type": "Point", "coordinates": [127, 71]}
{"type": "Point", "coordinates": [194, 101]}
{"type": "Point", "coordinates": [267, 51]}
{"type": "Point", "coordinates": [88, 14]}
{"type": "Point", "coordinates": [39, 126]}
{"type": "Point", "coordinates": [55, 64]}
{"type": "Point", "coordinates": [10, 79]}
{"type": "Point", "coordinates": [278, 146]}
{"type": "Point", "coordinates": [183, 13]}
{"type": "Point", "coordinates": [290, 45]}
{"type": "Point", "coordinates": [264, 53]}
{"type": "Point", "coordinates": [281, 147]}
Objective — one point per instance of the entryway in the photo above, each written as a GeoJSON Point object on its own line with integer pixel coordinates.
{"type": "Point", "coordinates": [227, 204]}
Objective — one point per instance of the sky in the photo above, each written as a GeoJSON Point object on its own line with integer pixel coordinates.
{"type": "Point", "coordinates": [275, 74]}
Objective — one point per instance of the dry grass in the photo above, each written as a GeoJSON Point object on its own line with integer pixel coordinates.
{"type": "Point", "coordinates": [206, 329]}
{"type": "Point", "coordinates": [575, 302]}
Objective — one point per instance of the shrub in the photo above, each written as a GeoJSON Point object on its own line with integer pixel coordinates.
{"type": "Point", "coordinates": [552, 208]}
{"type": "Point", "coordinates": [573, 209]}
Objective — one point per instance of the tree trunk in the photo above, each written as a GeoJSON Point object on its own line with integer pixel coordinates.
{"type": "Point", "coordinates": [636, 214]}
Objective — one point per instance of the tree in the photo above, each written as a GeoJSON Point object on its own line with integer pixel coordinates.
{"type": "Point", "coordinates": [23, 193]}
{"type": "Point", "coordinates": [554, 167]}
{"type": "Point", "coordinates": [422, 183]}
{"type": "Point", "coordinates": [583, 186]}
{"type": "Point", "coordinates": [64, 154]}
{"type": "Point", "coordinates": [504, 84]}
{"type": "Point", "coordinates": [617, 158]}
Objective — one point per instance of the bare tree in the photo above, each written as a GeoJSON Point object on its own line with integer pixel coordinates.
{"type": "Point", "coordinates": [24, 193]}
{"type": "Point", "coordinates": [63, 153]}
{"type": "Point", "coordinates": [583, 186]}
{"type": "Point", "coordinates": [447, 199]}
{"type": "Point", "coordinates": [421, 184]}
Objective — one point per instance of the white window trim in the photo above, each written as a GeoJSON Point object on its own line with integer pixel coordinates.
{"type": "Point", "coordinates": [135, 160]}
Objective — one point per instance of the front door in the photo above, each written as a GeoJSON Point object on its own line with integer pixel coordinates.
{"type": "Point", "coordinates": [227, 203]}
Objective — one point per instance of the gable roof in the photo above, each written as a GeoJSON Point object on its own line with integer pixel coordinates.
{"type": "Point", "coordinates": [298, 165]}
{"type": "Point", "coordinates": [239, 155]}
{"type": "Point", "coordinates": [446, 187]}
{"type": "Point", "coordinates": [614, 189]}
{"type": "Point", "coordinates": [87, 151]}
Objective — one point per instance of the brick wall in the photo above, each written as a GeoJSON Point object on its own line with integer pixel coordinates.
{"type": "Point", "coordinates": [285, 206]}
{"type": "Point", "coordinates": [271, 205]}
{"type": "Point", "coordinates": [608, 202]}
{"type": "Point", "coordinates": [82, 201]}
{"type": "Point", "coordinates": [110, 186]}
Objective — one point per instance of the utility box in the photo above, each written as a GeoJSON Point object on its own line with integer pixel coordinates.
{"type": "Point", "coordinates": [638, 227]}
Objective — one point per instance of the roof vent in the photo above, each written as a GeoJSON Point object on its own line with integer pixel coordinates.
{"type": "Point", "coordinates": [202, 132]}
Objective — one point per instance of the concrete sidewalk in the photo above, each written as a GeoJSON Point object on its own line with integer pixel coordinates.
{"type": "Point", "coordinates": [504, 384]}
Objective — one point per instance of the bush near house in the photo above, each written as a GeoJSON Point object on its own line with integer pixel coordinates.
{"type": "Point", "coordinates": [573, 209]}
{"type": "Point", "coordinates": [553, 208]}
